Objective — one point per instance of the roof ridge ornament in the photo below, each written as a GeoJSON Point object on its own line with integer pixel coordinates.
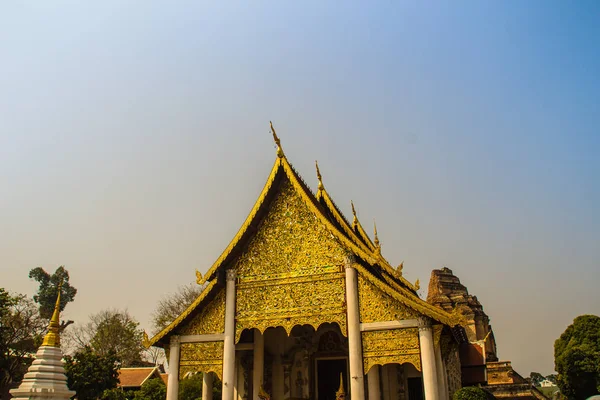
{"type": "Point", "coordinates": [277, 141]}
{"type": "Point", "coordinates": [376, 241]}
{"type": "Point", "coordinates": [52, 338]}
{"type": "Point", "coordinates": [355, 220]}
{"type": "Point", "coordinates": [321, 187]}
{"type": "Point", "coordinates": [399, 269]}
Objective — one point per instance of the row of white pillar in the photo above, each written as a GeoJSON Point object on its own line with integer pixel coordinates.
{"type": "Point", "coordinates": [434, 376]}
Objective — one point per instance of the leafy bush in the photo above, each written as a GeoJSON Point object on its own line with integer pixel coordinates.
{"type": "Point", "coordinates": [470, 393]}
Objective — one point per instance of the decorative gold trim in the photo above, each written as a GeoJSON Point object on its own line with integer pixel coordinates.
{"type": "Point", "coordinates": [391, 346]}
{"type": "Point", "coordinates": [201, 357]}
{"type": "Point", "coordinates": [407, 298]}
{"type": "Point", "coordinates": [181, 317]}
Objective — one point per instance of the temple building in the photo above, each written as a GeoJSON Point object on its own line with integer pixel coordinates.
{"type": "Point", "coordinates": [302, 305]}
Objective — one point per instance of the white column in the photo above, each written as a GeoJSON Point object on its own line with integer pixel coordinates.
{"type": "Point", "coordinates": [441, 374]}
{"type": "Point", "coordinates": [258, 366]}
{"type": "Point", "coordinates": [428, 360]}
{"type": "Point", "coordinates": [173, 379]}
{"type": "Point", "coordinates": [357, 379]}
{"type": "Point", "coordinates": [207, 386]}
{"type": "Point", "coordinates": [229, 343]}
{"type": "Point", "coordinates": [373, 383]}
{"type": "Point", "coordinates": [385, 384]}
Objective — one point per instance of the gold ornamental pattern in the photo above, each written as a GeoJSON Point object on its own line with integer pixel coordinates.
{"type": "Point", "coordinates": [201, 357]}
{"type": "Point", "coordinates": [210, 320]}
{"type": "Point", "coordinates": [375, 305]}
{"type": "Point", "coordinates": [291, 272]}
{"type": "Point", "coordinates": [391, 346]}
{"type": "Point", "coordinates": [287, 302]}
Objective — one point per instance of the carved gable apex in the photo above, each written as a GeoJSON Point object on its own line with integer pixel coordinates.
{"type": "Point", "coordinates": [290, 239]}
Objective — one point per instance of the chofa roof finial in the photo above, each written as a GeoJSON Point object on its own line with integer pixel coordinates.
{"type": "Point", "coordinates": [355, 220]}
{"type": "Point", "coordinates": [52, 338]}
{"type": "Point", "coordinates": [277, 141]}
{"type": "Point", "coordinates": [376, 241]}
{"type": "Point", "coordinates": [319, 176]}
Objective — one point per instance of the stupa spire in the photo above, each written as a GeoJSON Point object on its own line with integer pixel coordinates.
{"type": "Point", "coordinates": [45, 378]}
{"type": "Point", "coordinates": [52, 338]}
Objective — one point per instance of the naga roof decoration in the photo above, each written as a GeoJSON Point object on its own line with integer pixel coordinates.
{"type": "Point", "coordinates": [374, 267]}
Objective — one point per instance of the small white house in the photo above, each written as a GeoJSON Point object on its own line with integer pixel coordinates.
{"type": "Point", "coordinates": [546, 383]}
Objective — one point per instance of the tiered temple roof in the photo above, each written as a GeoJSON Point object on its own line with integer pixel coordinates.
{"type": "Point", "coordinates": [367, 253]}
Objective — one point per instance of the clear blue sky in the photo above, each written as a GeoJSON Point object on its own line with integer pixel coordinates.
{"type": "Point", "coordinates": [134, 140]}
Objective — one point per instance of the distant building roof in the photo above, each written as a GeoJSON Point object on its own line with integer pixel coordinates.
{"type": "Point", "coordinates": [135, 377]}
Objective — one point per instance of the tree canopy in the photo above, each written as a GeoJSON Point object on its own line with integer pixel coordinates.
{"type": "Point", "coordinates": [171, 306]}
{"type": "Point", "coordinates": [152, 389]}
{"type": "Point", "coordinates": [48, 290]}
{"type": "Point", "coordinates": [90, 374]}
{"type": "Point", "coordinates": [470, 393]}
{"type": "Point", "coordinates": [112, 331]}
{"type": "Point", "coordinates": [577, 358]}
{"type": "Point", "coordinates": [21, 332]}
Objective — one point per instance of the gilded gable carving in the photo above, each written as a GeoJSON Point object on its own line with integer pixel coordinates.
{"type": "Point", "coordinates": [210, 320]}
{"type": "Point", "coordinates": [391, 346]}
{"type": "Point", "coordinates": [201, 357]}
{"type": "Point", "coordinates": [376, 305]}
{"type": "Point", "coordinates": [290, 238]}
{"type": "Point", "coordinates": [291, 272]}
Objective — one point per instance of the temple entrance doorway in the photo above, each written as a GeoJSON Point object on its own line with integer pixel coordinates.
{"type": "Point", "coordinates": [328, 372]}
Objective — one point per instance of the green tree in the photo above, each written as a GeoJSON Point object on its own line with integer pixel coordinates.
{"type": "Point", "coordinates": [152, 389]}
{"type": "Point", "coordinates": [90, 374]}
{"type": "Point", "coordinates": [190, 388]}
{"type": "Point", "coordinates": [171, 306]}
{"type": "Point", "coordinates": [112, 331]}
{"type": "Point", "coordinates": [470, 393]}
{"type": "Point", "coordinates": [21, 332]}
{"type": "Point", "coordinates": [577, 358]}
{"type": "Point", "coordinates": [113, 394]}
{"type": "Point", "coordinates": [536, 378]}
{"type": "Point", "coordinates": [48, 291]}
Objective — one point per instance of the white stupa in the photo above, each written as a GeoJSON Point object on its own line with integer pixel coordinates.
{"type": "Point", "coordinates": [45, 379]}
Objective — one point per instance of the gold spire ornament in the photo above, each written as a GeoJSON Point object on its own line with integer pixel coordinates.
{"type": "Point", "coordinates": [277, 141]}
{"type": "Point", "coordinates": [399, 269]}
{"type": "Point", "coordinates": [198, 277]}
{"type": "Point", "coordinates": [262, 394]}
{"type": "Point", "coordinates": [52, 338]}
{"type": "Point", "coordinates": [355, 220]}
{"type": "Point", "coordinates": [376, 241]}
{"type": "Point", "coordinates": [319, 176]}
{"type": "Point", "coordinates": [145, 340]}
{"type": "Point", "coordinates": [417, 285]}
{"type": "Point", "coordinates": [341, 393]}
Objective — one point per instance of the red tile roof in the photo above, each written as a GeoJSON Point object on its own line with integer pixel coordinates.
{"type": "Point", "coordinates": [135, 377]}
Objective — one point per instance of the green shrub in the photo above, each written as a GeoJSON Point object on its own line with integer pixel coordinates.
{"type": "Point", "coordinates": [470, 393]}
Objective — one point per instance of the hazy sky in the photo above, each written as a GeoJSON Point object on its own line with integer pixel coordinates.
{"type": "Point", "coordinates": [134, 140]}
